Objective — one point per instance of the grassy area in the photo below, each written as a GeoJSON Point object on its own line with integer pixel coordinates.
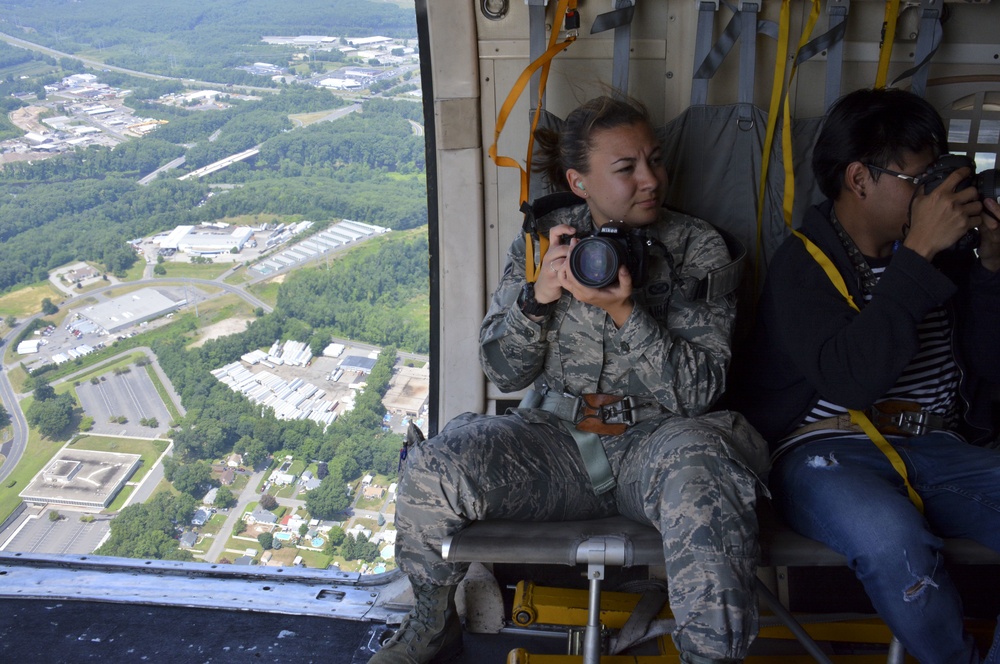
{"type": "Point", "coordinates": [119, 502]}
{"type": "Point", "coordinates": [370, 503]}
{"type": "Point", "coordinates": [240, 276]}
{"type": "Point", "coordinates": [195, 271]}
{"type": "Point", "coordinates": [161, 389]}
{"type": "Point", "coordinates": [266, 291]}
{"type": "Point", "coordinates": [224, 308]}
{"type": "Point", "coordinates": [27, 301]}
{"type": "Point", "coordinates": [315, 559]}
{"type": "Point", "coordinates": [309, 118]}
{"type": "Point", "coordinates": [40, 451]}
{"type": "Point", "coordinates": [17, 377]}
{"type": "Point", "coordinates": [104, 368]}
{"type": "Point", "coordinates": [136, 271]}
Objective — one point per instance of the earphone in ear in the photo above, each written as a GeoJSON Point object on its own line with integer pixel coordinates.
{"type": "Point", "coordinates": [579, 185]}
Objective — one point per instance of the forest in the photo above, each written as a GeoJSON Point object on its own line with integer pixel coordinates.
{"type": "Point", "coordinates": [195, 40]}
{"type": "Point", "coordinates": [89, 202]}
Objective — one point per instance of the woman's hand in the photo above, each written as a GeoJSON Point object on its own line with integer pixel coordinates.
{"type": "Point", "coordinates": [548, 287]}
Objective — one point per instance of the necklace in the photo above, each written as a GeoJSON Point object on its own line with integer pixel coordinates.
{"type": "Point", "coordinates": [866, 278]}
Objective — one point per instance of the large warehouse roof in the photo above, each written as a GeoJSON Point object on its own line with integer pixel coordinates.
{"type": "Point", "coordinates": [130, 309]}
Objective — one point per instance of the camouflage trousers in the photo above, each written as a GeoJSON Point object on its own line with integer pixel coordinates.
{"type": "Point", "coordinates": [694, 479]}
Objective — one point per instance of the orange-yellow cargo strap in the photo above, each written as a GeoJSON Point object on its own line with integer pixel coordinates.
{"type": "Point", "coordinates": [543, 62]}
{"type": "Point", "coordinates": [885, 46]}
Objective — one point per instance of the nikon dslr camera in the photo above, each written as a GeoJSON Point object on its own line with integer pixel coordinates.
{"type": "Point", "coordinates": [985, 182]}
{"type": "Point", "coordinates": [595, 259]}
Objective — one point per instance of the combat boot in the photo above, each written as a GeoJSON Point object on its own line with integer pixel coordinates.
{"type": "Point", "coordinates": [430, 633]}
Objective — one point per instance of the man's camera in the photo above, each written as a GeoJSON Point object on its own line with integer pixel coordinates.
{"type": "Point", "coordinates": [595, 259]}
{"type": "Point", "coordinates": [985, 182]}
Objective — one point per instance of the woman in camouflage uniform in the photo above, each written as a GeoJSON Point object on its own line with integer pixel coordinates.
{"type": "Point", "coordinates": [691, 474]}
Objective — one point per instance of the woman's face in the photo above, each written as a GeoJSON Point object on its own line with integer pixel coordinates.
{"type": "Point", "coordinates": [627, 178]}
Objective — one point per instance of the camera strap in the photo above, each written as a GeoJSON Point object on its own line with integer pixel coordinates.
{"type": "Point", "coordinates": [536, 242]}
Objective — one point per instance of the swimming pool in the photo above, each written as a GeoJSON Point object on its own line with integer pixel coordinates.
{"type": "Point", "coordinates": [317, 541]}
{"type": "Point", "coordinates": [284, 537]}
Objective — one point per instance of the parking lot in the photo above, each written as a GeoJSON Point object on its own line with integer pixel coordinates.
{"type": "Point", "coordinates": [34, 532]}
{"type": "Point", "coordinates": [131, 395]}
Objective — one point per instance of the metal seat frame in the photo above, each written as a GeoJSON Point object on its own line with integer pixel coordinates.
{"type": "Point", "coordinates": [619, 541]}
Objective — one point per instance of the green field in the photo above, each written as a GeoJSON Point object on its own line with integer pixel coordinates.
{"type": "Point", "coordinates": [195, 271]}
{"type": "Point", "coordinates": [27, 301]}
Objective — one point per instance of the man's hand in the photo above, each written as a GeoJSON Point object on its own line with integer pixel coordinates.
{"type": "Point", "coordinates": [940, 218]}
{"type": "Point", "coordinates": [989, 236]}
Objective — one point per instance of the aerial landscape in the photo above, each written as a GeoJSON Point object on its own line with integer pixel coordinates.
{"type": "Point", "coordinates": [213, 279]}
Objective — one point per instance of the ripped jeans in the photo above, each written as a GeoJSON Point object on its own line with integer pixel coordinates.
{"type": "Point", "coordinates": [844, 493]}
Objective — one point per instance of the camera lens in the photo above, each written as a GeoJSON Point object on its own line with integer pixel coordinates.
{"type": "Point", "coordinates": [988, 184]}
{"type": "Point", "coordinates": [594, 262]}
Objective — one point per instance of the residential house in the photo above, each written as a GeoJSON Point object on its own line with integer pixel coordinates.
{"type": "Point", "coordinates": [260, 515]}
{"type": "Point", "coordinates": [372, 491]}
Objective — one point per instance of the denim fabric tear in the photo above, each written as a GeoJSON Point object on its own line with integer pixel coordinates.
{"type": "Point", "coordinates": [821, 462]}
{"type": "Point", "coordinates": [918, 589]}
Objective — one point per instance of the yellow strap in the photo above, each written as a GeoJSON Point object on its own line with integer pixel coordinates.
{"type": "Point", "coordinates": [515, 92]}
{"type": "Point", "coordinates": [859, 418]}
{"type": "Point", "coordinates": [772, 122]}
{"type": "Point", "coordinates": [531, 263]}
{"type": "Point", "coordinates": [831, 272]}
{"type": "Point", "coordinates": [786, 134]}
{"type": "Point", "coordinates": [888, 37]}
{"type": "Point", "coordinates": [531, 267]}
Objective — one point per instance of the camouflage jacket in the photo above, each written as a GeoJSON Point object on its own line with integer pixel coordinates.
{"type": "Point", "coordinates": [671, 349]}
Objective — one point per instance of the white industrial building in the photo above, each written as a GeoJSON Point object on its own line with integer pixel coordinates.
{"type": "Point", "coordinates": [131, 309]}
{"type": "Point", "coordinates": [206, 239]}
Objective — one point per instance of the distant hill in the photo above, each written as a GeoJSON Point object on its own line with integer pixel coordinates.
{"type": "Point", "coordinates": [192, 38]}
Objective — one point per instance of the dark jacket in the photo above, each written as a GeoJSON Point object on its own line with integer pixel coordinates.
{"type": "Point", "coordinates": [808, 343]}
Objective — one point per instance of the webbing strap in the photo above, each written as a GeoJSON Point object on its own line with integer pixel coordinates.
{"type": "Point", "coordinates": [702, 47]}
{"type": "Point", "coordinates": [531, 260]}
{"type": "Point", "coordinates": [888, 37]}
{"type": "Point", "coordinates": [929, 39]}
{"type": "Point", "coordinates": [837, 10]}
{"type": "Point", "coordinates": [858, 417]}
{"type": "Point", "coordinates": [594, 458]}
{"type": "Point", "coordinates": [772, 122]}
{"type": "Point", "coordinates": [748, 56]}
{"type": "Point", "coordinates": [786, 133]}
{"type": "Point", "coordinates": [536, 39]}
{"type": "Point", "coordinates": [743, 26]}
{"type": "Point", "coordinates": [620, 19]}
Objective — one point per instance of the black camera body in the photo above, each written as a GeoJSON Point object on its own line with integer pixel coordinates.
{"type": "Point", "coordinates": [986, 184]}
{"type": "Point", "coordinates": [595, 259]}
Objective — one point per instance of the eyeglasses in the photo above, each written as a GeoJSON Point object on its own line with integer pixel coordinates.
{"type": "Point", "coordinates": [913, 179]}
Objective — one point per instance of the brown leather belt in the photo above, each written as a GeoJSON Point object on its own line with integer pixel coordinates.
{"type": "Point", "coordinates": [891, 418]}
{"type": "Point", "coordinates": [603, 414]}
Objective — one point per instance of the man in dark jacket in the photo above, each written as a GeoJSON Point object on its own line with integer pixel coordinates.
{"type": "Point", "coordinates": [893, 322]}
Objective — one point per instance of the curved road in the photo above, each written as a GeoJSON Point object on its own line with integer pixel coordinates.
{"type": "Point", "coordinates": [16, 447]}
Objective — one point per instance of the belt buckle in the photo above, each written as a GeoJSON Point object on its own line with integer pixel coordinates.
{"type": "Point", "coordinates": [620, 412]}
{"type": "Point", "coordinates": [914, 423]}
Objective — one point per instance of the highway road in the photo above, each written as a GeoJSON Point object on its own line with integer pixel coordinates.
{"type": "Point", "coordinates": [101, 66]}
